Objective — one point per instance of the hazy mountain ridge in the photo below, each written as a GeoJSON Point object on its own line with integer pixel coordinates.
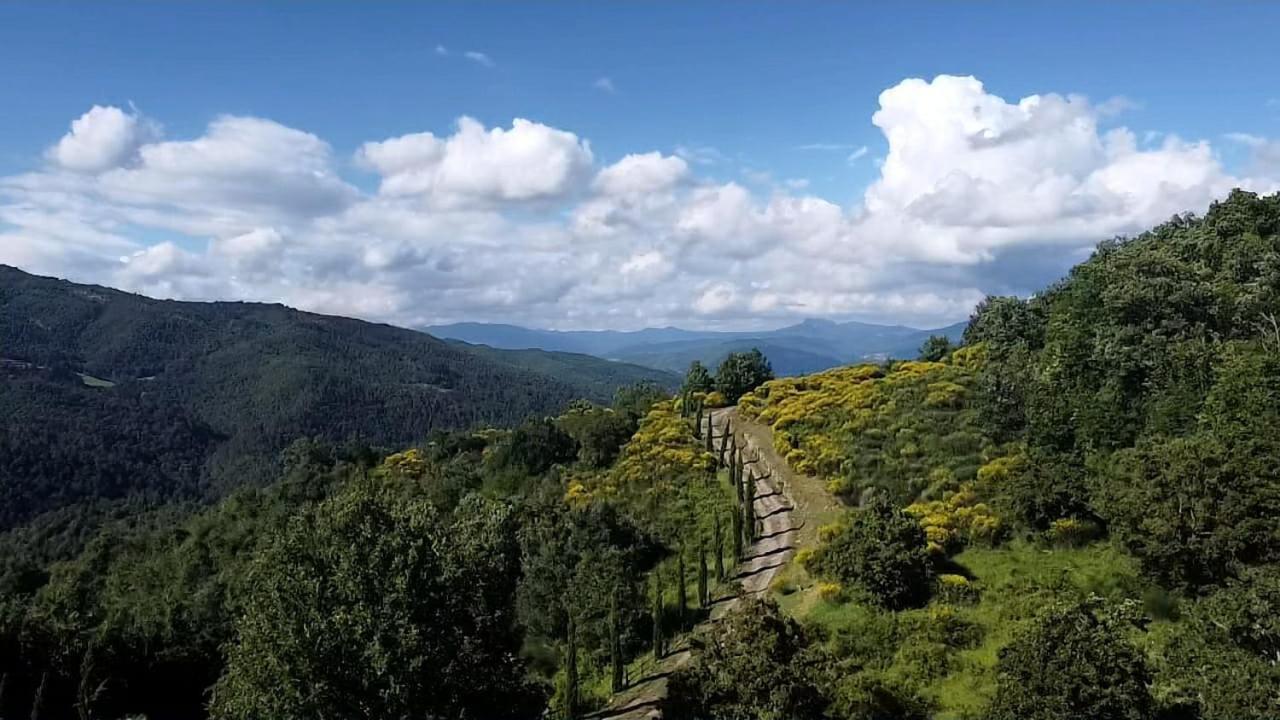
{"type": "Point", "coordinates": [805, 347]}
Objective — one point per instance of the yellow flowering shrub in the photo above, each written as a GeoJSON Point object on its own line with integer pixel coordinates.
{"type": "Point", "coordinates": [1073, 532]}
{"type": "Point", "coordinates": [805, 557]}
{"type": "Point", "coordinates": [830, 591]}
{"type": "Point", "coordinates": [874, 426]}
{"type": "Point", "coordinates": [997, 471]}
{"type": "Point", "coordinates": [970, 357]}
{"type": "Point", "coordinates": [958, 520]}
{"type": "Point", "coordinates": [407, 464]}
{"type": "Point", "coordinates": [663, 475]}
{"type": "Point", "coordinates": [577, 496]}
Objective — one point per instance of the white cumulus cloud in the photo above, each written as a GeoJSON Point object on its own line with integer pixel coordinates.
{"type": "Point", "coordinates": [976, 193]}
{"type": "Point", "coordinates": [103, 138]}
{"type": "Point", "coordinates": [529, 161]}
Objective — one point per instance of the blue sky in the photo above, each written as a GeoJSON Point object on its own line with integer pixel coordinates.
{"type": "Point", "coordinates": [739, 90]}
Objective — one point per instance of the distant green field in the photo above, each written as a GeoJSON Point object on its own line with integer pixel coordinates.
{"type": "Point", "coordinates": [92, 381]}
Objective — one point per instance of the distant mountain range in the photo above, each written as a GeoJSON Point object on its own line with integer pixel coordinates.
{"type": "Point", "coordinates": [806, 347]}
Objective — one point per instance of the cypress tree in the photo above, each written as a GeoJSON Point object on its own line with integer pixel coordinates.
{"type": "Point", "coordinates": [615, 644]}
{"type": "Point", "coordinates": [682, 598]}
{"type": "Point", "coordinates": [736, 482]}
{"type": "Point", "coordinates": [719, 538]}
{"type": "Point", "coordinates": [749, 511]}
{"type": "Point", "coordinates": [657, 614]}
{"type": "Point", "coordinates": [571, 673]}
{"type": "Point", "coordinates": [703, 598]}
{"type": "Point", "coordinates": [724, 443]}
{"type": "Point", "coordinates": [697, 423]}
{"type": "Point", "coordinates": [710, 446]}
{"type": "Point", "coordinates": [737, 536]}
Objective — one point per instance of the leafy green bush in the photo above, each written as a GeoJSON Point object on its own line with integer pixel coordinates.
{"type": "Point", "coordinates": [1075, 663]}
{"type": "Point", "coordinates": [882, 550]}
{"type": "Point", "coordinates": [740, 373]}
{"type": "Point", "coordinates": [1222, 664]}
{"type": "Point", "coordinates": [374, 606]}
{"type": "Point", "coordinates": [758, 663]}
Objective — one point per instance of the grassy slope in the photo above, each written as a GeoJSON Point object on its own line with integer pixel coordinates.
{"type": "Point", "coordinates": [910, 431]}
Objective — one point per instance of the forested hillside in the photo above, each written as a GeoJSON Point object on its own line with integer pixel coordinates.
{"type": "Point", "coordinates": [492, 573]}
{"type": "Point", "coordinates": [1074, 515]}
{"type": "Point", "coordinates": [108, 395]}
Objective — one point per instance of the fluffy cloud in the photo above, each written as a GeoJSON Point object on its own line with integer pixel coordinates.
{"type": "Point", "coordinates": [530, 161]}
{"type": "Point", "coordinates": [976, 194]}
{"type": "Point", "coordinates": [641, 174]}
{"type": "Point", "coordinates": [242, 167]}
{"type": "Point", "coordinates": [103, 138]}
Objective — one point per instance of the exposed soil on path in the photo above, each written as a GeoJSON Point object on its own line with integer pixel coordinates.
{"type": "Point", "coordinates": [778, 541]}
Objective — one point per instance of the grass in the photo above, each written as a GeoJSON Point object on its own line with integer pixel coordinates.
{"type": "Point", "coordinates": [1016, 582]}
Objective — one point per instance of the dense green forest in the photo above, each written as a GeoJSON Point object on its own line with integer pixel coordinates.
{"type": "Point", "coordinates": [450, 579]}
{"type": "Point", "coordinates": [114, 397]}
{"type": "Point", "coordinates": [1074, 514]}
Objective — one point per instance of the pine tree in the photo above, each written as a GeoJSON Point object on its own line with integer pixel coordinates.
{"type": "Point", "coordinates": [703, 598]}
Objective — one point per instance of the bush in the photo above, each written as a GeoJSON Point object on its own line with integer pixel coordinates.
{"type": "Point", "coordinates": [881, 550]}
{"type": "Point", "coordinates": [1194, 510]}
{"type": "Point", "coordinates": [1223, 661]}
{"type": "Point", "coordinates": [715, 399]}
{"type": "Point", "coordinates": [757, 664]}
{"type": "Point", "coordinates": [873, 696]}
{"type": "Point", "coordinates": [957, 521]}
{"type": "Point", "coordinates": [956, 589]}
{"type": "Point", "coordinates": [1073, 532]}
{"type": "Point", "coordinates": [830, 592]}
{"type": "Point", "coordinates": [372, 602]}
{"type": "Point", "coordinates": [1074, 664]}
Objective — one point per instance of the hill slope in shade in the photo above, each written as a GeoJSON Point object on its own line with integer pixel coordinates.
{"type": "Point", "coordinates": [806, 347]}
{"type": "Point", "coordinates": [189, 398]}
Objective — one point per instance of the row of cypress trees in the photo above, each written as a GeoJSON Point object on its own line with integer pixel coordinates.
{"type": "Point", "coordinates": [745, 531]}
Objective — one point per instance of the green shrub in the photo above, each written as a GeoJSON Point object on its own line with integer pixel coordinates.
{"type": "Point", "coordinates": [881, 550]}
{"type": "Point", "coordinates": [1075, 663]}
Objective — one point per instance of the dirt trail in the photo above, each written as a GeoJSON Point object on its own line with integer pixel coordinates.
{"type": "Point", "coordinates": [764, 560]}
